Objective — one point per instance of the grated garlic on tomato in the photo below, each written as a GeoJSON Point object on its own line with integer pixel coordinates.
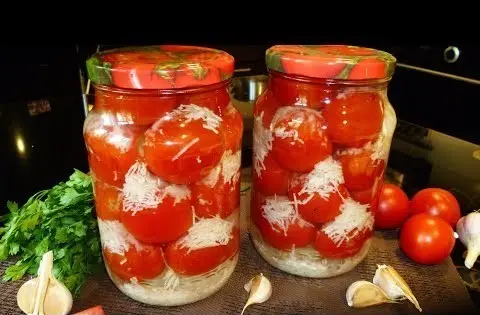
{"type": "Point", "coordinates": [207, 233]}
{"type": "Point", "coordinates": [262, 143]}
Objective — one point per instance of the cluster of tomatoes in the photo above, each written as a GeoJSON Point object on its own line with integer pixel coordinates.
{"type": "Point", "coordinates": [299, 125]}
{"type": "Point", "coordinates": [426, 222]}
{"type": "Point", "coordinates": [179, 151]}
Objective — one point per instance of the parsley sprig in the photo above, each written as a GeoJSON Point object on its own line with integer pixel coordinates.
{"type": "Point", "coordinates": [59, 219]}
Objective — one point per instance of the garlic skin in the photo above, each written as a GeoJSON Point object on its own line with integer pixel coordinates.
{"type": "Point", "coordinates": [394, 285]}
{"type": "Point", "coordinates": [468, 230]}
{"type": "Point", "coordinates": [363, 294]}
{"type": "Point", "coordinates": [260, 290]}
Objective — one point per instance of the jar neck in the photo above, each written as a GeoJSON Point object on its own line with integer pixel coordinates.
{"type": "Point", "coordinates": [289, 80]}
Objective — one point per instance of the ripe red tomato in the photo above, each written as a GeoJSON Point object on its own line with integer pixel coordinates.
{"type": "Point", "coordinates": [266, 107]}
{"type": "Point", "coordinates": [165, 223]}
{"type": "Point", "coordinates": [221, 199]}
{"type": "Point", "coordinates": [273, 179]}
{"type": "Point", "coordinates": [299, 138]}
{"type": "Point", "coordinates": [144, 263]}
{"type": "Point", "coordinates": [96, 310]}
{"type": "Point", "coordinates": [328, 248]}
{"type": "Point", "coordinates": [317, 209]}
{"type": "Point", "coordinates": [292, 93]}
{"type": "Point", "coordinates": [438, 202]}
{"type": "Point", "coordinates": [298, 233]}
{"type": "Point", "coordinates": [426, 239]}
{"type": "Point", "coordinates": [108, 201]}
{"type": "Point", "coordinates": [233, 128]}
{"type": "Point", "coordinates": [392, 208]}
{"type": "Point", "coordinates": [112, 148]}
{"type": "Point", "coordinates": [198, 261]}
{"type": "Point", "coordinates": [135, 109]}
{"type": "Point", "coordinates": [359, 170]}
{"type": "Point", "coordinates": [180, 150]}
{"type": "Point", "coordinates": [354, 119]}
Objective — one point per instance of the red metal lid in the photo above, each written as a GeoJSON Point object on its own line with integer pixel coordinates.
{"type": "Point", "coordinates": [331, 61]}
{"type": "Point", "coordinates": [160, 67]}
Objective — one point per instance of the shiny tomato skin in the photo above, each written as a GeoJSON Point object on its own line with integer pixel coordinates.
{"type": "Point", "coordinates": [199, 261]}
{"type": "Point", "coordinates": [327, 248]}
{"type": "Point", "coordinates": [165, 223]}
{"type": "Point", "coordinates": [299, 138]}
{"type": "Point", "coordinates": [108, 201]}
{"type": "Point", "coordinates": [359, 170]}
{"type": "Point", "coordinates": [96, 310]}
{"type": "Point", "coordinates": [221, 199]}
{"type": "Point", "coordinates": [436, 201]}
{"type": "Point", "coordinates": [317, 209]}
{"type": "Point", "coordinates": [168, 138]}
{"type": "Point", "coordinates": [355, 119]}
{"type": "Point", "coordinates": [273, 179]}
{"type": "Point", "coordinates": [265, 108]}
{"type": "Point", "coordinates": [426, 239]}
{"type": "Point", "coordinates": [145, 263]}
{"type": "Point", "coordinates": [392, 208]}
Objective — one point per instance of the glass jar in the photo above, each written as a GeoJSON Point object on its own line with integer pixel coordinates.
{"type": "Point", "coordinates": [164, 149]}
{"type": "Point", "coordinates": [322, 135]}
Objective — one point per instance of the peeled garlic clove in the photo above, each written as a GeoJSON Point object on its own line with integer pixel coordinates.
{"type": "Point", "coordinates": [58, 300]}
{"type": "Point", "coordinates": [260, 290]}
{"type": "Point", "coordinates": [394, 285]}
{"type": "Point", "coordinates": [363, 293]}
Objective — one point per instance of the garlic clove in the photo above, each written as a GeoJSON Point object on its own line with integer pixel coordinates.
{"type": "Point", "coordinates": [363, 293]}
{"type": "Point", "coordinates": [468, 230]}
{"type": "Point", "coordinates": [394, 285]}
{"type": "Point", "coordinates": [44, 295]}
{"type": "Point", "coordinates": [260, 290]}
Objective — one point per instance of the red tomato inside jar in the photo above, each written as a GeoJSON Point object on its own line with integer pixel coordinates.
{"type": "Point", "coordinates": [164, 149]}
{"type": "Point", "coordinates": [322, 136]}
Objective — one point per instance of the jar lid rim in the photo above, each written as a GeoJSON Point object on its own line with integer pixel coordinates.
{"type": "Point", "coordinates": [342, 62]}
{"type": "Point", "coordinates": [160, 67]}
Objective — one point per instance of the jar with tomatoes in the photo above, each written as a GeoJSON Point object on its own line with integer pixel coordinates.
{"type": "Point", "coordinates": [322, 135]}
{"type": "Point", "coordinates": [164, 149]}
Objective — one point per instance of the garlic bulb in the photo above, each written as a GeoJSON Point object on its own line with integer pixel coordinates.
{"type": "Point", "coordinates": [468, 230]}
{"type": "Point", "coordinates": [260, 290]}
{"type": "Point", "coordinates": [363, 293]}
{"type": "Point", "coordinates": [44, 295]}
{"type": "Point", "coordinates": [393, 285]}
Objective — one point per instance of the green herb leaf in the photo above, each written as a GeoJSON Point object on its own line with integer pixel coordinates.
{"type": "Point", "coordinates": [274, 61]}
{"type": "Point", "coordinates": [58, 219]}
{"type": "Point", "coordinates": [99, 71]}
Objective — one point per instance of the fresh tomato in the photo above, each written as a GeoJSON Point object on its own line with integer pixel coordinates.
{"type": "Point", "coordinates": [135, 109]}
{"type": "Point", "coordinates": [233, 128]}
{"type": "Point", "coordinates": [392, 208]}
{"type": "Point", "coordinates": [292, 93]}
{"type": "Point", "coordinates": [112, 148]}
{"type": "Point", "coordinates": [359, 170]}
{"type": "Point", "coordinates": [273, 179]}
{"type": "Point", "coordinates": [298, 233]}
{"type": "Point", "coordinates": [144, 263]}
{"type": "Point", "coordinates": [362, 196]}
{"type": "Point", "coordinates": [426, 239]}
{"type": "Point", "coordinates": [216, 99]}
{"type": "Point", "coordinates": [299, 138]}
{"type": "Point", "coordinates": [436, 201]}
{"type": "Point", "coordinates": [108, 201]}
{"type": "Point", "coordinates": [96, 310]}
{"type": "Point", "coordinates": [189, 262]}
{"type": "Point", "coordinates": [165, 223]}
{"type": "Point", "coordinates": [316, 209]}
{"type": "Point", "coordinates": [354, 118]}
{"type": "Point", "coordinates": [180, 150]}
{"type": "Point", "coordinates": [328, 248]}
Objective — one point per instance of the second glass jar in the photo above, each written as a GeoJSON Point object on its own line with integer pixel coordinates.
{"type": "Point", "coordinates": [322, 135]}
{"type": "Point", "coordinates": [164, 149]}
